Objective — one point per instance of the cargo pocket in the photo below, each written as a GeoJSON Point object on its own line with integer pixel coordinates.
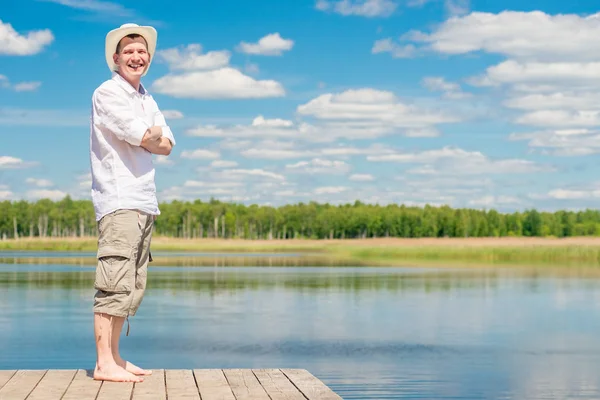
{"type": "Point", "coordinates": [115, 272]}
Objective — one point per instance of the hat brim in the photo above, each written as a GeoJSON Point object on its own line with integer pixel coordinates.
{"type": "Point", "coordinates": [114, 37]}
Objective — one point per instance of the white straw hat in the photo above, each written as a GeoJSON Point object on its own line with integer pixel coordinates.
{"type": "Point", "coordinates": [114, 37]}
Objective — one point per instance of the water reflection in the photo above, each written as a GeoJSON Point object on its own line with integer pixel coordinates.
{"type": "Point", "coordinates": [369, 333]}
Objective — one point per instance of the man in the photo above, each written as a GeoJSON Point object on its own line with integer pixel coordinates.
{"type": "Point", "coordinates": [127, 127]}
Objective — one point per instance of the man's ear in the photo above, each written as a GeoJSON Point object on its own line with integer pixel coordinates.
{"type": "Point", "coordinates": [116, 58]}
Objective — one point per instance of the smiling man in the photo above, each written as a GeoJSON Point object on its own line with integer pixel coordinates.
{"type": "Point", "coordinates": [127, 127]}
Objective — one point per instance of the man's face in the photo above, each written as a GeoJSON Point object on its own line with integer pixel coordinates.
{"type": "Point", "coordinates": [133, 58]}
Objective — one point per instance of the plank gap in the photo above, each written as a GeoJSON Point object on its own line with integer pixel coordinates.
{"type": "Point", "coordinates": [36, 385]}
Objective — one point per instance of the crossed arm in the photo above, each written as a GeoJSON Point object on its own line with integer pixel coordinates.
{"type": "Point", "coordinates": [155, 142]}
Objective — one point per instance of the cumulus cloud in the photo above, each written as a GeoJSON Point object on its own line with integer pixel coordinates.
{"type": "Point", "coordinates": [39, 182]}
{"type": "Point", "coordinates": [562, 142]}
{"type": "Point", "coordinates": [531, 35]}
{"type": "Point", "coordinates": [190, 57]}
{"type": "Point", "coordinates": [224, 83]}
{"type": "Point", "coordinates": [223, 164]}
{"type": "Point", "coordinates": [53, 195]}
{"type": "Point", "coordinates": [362, 177]}
{"type": "Point", "coordinates": [270, 45]}
{"type": "Point", "coordinates": [319, 166]}
{"type": "Point", "coordinates": [16, 44]}
{"type": "Point", "coordinates": [8, 162]}
{"type": "Point", "coordinates": [370, 104]}
{"type": "Point", "coordinates": [456, 161]}
{"type": "Point", "coordinates": [451, 90]}
{"type": "Point", "coordinates": [200, 154]}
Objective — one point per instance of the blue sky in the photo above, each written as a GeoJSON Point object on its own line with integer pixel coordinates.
{"type": "Point", "coordinates": [471, 104]}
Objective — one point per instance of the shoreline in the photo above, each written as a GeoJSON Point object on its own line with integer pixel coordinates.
{"type": "Point", "coordinates": [378, 251]}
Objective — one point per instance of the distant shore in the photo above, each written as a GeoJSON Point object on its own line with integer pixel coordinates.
{"type": "Point", "coordinates": [377, 251]}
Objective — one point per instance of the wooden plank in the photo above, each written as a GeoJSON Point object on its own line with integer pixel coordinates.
{"type": "Point", "coordinates": [53, 385]}
{"type": "Point", "coordinates": [181, 384]}
{"type": "Point", "coordinates": [244, 385]}
{"type": "Point", "coordinates": [83, 386]}
{"type": "Point", "coordinates": [21, 384]}
{"type": "Point", "coordinates": [115, 391]}
{"type": "Point", "coordinates": [309, 385]}
{"type": "Point", "coordinates": [277, 385]}
{"type": "Point", "coordinates": [213, 385]}
{"type": "Point", "coordinates": [153, 387]}
{"type": "Point", "coordinates": [5, 376]}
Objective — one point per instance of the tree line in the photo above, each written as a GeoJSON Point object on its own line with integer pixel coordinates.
{"type": "Point", "coordinates": [216, 219]}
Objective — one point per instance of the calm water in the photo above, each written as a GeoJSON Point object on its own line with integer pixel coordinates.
{"type": "Point", "coordinates": [368, 333]}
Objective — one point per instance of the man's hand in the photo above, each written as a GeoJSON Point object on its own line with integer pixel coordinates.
{"type": "Point", "coordinates": [156, 143]}
{"type": "Point", "coordinates": [153, 134]}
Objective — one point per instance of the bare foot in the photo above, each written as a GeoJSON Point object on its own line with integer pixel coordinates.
{"type": "Point", "coordinates": [134, 369]}
{"type": "Point", "coordinates": [115, 373]}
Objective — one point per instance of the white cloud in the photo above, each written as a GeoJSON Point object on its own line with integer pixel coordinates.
{"type": "Point", "coordinates": [163, 160]}
{"type": "Point", "coordinates": [547, 75]}
{"type": "Point", "coordinates": [19, 87]}
{"type": "Point", "coordinates": [364, 8]}
{"type": "Point", "coordinates": [8, 162]}
{"type": "Point", "coordinates": [362, 177]}
{"type": "Point", "coordinates": [13, 43]}
{"type": "Point", "coordinates": [270, 45]}
{"type": "Point", "coordinates": [532, 35]}
{"type": "Point", "coordinates": [223, 164]}
{"type": "Point", "coordinates": [191, 58]}
{"type": "Point", "coordinates": [46, 194]}
{"type": "Point", "coordinates": [319, 166]}
{"type": "Point", "coordinates": [272, 123]}
{"type": "Point", "coordinates": [456, 161]}
{"type": "Point", "coordinates": [552, 101]}
{"type": "Point", "coordinates": [6, 195]}
{"type": "Point", "coordinates": [172, 114]}
{"type": "Point", "coordinates": [206, 184]}
{"type": "Point", "coordinates": [451, 90]}
{"type": "Point", "coordinates": [457, 7]}
{"type": "Point", "coordinates": [561, 118]}
{"type": "Point", "coordinates": [371, 105]}
{"type": "Point", "coordinates": [200, 154]}
{"type": "Point", "coordinates": [330, 189]}
{"type": "Point", "coordinates": [562, 142]}
{"type": "Point", "coordinates": [388, 45]}
{"type": "Point", "coordinates": [27, 86]}
{"type": "Point", "coordinates": [224, 83]}
{"type": "Point", "coordinates": [39, 182]}
{"type": "Point", "coordinates": [494, 201]}
{"type": "Point", "coordinates": [95, 5]}
{"type": "Point", "coordinates": [244, 173]}
{"type": "Point", "coordinates": [274, 153]}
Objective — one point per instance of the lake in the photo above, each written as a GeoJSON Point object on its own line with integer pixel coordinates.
{"type": "Point", "coordinates": [366, 332]}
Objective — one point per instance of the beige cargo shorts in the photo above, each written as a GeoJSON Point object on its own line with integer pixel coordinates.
{"type": "Point", "coordinates": [123, 257]}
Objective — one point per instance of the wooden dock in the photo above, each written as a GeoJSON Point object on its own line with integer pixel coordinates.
{"type": "Point", "coordinates": [171, 384]}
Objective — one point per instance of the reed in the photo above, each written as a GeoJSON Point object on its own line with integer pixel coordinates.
{"type": "Point", "coordinates": [383, 251]}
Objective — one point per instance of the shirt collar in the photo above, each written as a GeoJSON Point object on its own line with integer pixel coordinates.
{"type": "Point", "coordinates": [126, 85]}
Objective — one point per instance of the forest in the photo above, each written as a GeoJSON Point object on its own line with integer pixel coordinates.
{"type": "Point", "coordinates": [312, 220]}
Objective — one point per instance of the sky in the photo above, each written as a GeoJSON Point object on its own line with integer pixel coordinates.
{"type": "Point", "coordinates": [487, 105]}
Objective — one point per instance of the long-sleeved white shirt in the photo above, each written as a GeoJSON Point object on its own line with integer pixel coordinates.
{"type": "Point", "coordinates": [122, 170]}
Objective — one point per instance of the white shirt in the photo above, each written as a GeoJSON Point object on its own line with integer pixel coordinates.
{"type": "Point", "coordinates": [122, 170]}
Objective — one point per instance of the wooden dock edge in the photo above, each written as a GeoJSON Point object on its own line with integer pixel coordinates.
{"type": "Point", "coordinates": [171, 384]}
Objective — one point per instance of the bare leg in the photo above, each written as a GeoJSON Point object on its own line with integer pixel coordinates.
{"type": "Point", "coordinates": [116, 332]}
{"type": "Point", "coordinates": [106, 367]}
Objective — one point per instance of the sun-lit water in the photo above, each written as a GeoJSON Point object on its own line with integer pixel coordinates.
{"type": "Point", "coordinates": [368, 333]}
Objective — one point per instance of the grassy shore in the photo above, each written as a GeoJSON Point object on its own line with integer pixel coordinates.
{"type": "Point", "coordinates": [382, 251]}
